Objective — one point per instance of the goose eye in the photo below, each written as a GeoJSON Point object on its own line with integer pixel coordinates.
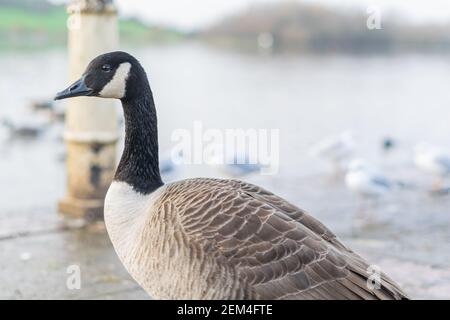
{"type": "Point", "coordinates": [106, 67]}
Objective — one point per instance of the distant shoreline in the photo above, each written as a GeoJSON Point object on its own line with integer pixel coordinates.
{"type": "Point", "coordinates": [269, 28]}
{"type": "Point", "coordinates": [23, 29]}
{"type": "Point", "coordinates": [297, 27]}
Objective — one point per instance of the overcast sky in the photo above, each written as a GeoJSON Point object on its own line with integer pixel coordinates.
{"type": "Point", "coordinates": [192, 14]}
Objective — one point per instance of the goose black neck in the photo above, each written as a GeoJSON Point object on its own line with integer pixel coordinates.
{"type": "Point", "coordinates": [139, 165]}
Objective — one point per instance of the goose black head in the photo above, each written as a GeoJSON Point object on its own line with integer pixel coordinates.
{"type": "Point", "coordinates": [108, 76]}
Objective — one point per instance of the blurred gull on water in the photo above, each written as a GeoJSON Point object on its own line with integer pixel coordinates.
{"type": "Point", "coordinates": [233, 161]}
{"type": "Point", "coordinates": [370, 185]}
{"type": "Point", "coordinates": [433, 160]}
{"type": "Point", "coordinates": [366, 180]}
{"type": "Point", "coordinates": [170, 163]}
{"type": "Point", "coordinates": [25, 127]}
{"type": "Point", "coordinates": [336, 149]}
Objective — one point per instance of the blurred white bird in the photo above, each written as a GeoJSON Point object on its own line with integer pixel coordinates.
{"type": "Point", "coordinates": [370, 185]}
{"type": "Point", "coordinates": [232, 162]}
{"type": "Point", "coordinates": [235, 162]}
{"type": "Point", "coordinates": [433, 160]}
{"type": "Point", "coordinates": [366, 180]}
{"type": "Point", "coordinates": [170, 163]}
{"type": "Point", "coordinates": [336, 149]}
{"type": "Point", "coordinates": [26, 128]}
{"type": "Point", "coordinates": [237, 169]}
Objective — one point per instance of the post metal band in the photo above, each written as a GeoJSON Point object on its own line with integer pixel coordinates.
{"type": "Point", "coordinates": [91, 6]}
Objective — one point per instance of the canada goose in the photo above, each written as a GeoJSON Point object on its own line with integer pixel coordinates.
{"type": "Point", "coordinates": [210, 238]}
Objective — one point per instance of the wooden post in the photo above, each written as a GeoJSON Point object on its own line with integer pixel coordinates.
{"type": "Point", "coordinates": [91, 124]}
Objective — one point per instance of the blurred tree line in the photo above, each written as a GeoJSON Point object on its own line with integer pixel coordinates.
{"type": "Point", "coordinates": [305, 27]}
{"type": "Point", "coordinates": [33, 24]}
{"type": "Point", "coordinates": [33, 5]}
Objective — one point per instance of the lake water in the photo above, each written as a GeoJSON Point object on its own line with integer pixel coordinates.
{"type": "Point", "coordinates": [306, 97]}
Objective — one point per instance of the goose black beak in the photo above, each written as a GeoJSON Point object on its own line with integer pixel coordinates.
{"type": "Point", "coordinates": [77, 89]}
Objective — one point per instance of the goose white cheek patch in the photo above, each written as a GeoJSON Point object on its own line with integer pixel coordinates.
{"type": "Point", "coordinates": [117, 86]}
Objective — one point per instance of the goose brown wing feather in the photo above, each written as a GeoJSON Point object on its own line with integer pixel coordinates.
{"type": "Point", "coordinates": [277, 250]}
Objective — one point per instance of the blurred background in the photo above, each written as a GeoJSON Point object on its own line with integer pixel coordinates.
{"type": "Point", "coordinates": [341, 80]}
